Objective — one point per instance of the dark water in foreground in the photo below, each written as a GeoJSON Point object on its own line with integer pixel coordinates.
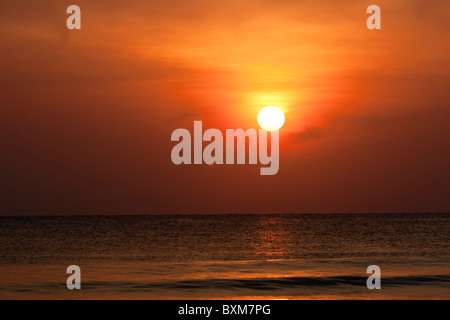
{"type": "Point", "coordinates": [226, 256]}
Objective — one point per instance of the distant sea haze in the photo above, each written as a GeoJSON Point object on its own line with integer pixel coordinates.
{"type": "Point", "coordinates": [226, 256]}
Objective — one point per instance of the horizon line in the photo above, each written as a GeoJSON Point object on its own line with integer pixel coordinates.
{"type": "Point", "coordinates": [216, 214]}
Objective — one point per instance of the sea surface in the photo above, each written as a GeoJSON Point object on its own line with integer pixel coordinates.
{"type": "Point", "coordinates": [226, 256]}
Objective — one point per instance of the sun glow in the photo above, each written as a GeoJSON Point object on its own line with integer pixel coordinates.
{"type": "Point", "coordinates": [271, 118]}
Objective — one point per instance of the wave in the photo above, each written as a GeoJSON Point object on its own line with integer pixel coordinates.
{"type": "Point", "coordinates": [261, 284]}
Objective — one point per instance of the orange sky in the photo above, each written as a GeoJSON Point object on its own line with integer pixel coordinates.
{"type": "Point", "coordinates": [86, 115]}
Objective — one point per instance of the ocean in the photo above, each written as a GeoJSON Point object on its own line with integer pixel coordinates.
{"type": "Point", "coordinates": [289, 256]}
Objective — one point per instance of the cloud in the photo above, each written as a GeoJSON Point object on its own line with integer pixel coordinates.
{"type": "Point", "coordinates": [307, 135]}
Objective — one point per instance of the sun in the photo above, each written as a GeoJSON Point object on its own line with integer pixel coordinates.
{"type": "Point", "coordinates": [271, 118]}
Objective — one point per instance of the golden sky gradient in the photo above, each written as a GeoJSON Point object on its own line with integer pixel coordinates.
{"type": "Point", "coordinates": [87, 114]}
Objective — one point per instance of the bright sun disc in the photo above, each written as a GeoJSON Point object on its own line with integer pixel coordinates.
{"type": "Point", "coordinates": [270, 118]}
